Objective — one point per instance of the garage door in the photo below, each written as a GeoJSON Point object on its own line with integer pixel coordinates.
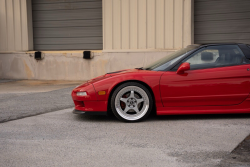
{"type": "Point", "coordinates": [221, 21]}
{"type": "Point", "coordinates": [67, 24]}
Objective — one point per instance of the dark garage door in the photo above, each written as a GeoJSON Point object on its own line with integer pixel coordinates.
{"type": "Point", "coordinates": [67, 24]}
{"type": "Point", "coordinates": [221, 21]}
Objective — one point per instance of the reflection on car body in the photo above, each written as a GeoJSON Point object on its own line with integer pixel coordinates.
{"type": "Point", "coordinates": [199, 79]}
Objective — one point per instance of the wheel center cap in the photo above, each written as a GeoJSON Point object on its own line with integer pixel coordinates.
{"type": "Point", "coordinates": [131, 102]}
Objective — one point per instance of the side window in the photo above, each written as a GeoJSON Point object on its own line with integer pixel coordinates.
{"type": "Point", "coordinates": [215, 56]}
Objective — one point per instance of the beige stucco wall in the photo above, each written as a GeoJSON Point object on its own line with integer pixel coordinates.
{"type": "Point", "coordinates": [15, 25]}
{"type": "Point", "coordinates": [71, 65]}
{"type": "Point", "coordinates": [146, 24]}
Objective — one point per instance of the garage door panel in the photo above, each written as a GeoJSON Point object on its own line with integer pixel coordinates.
{"type": "Point", "coordinates": [228, 30]}
{"type": "Point", "coordinates": [230, 36]}
{"type": "Point", "coordinates": [221, 17]}
{"type": "Point", "coordinates": [227, 26]}
{"type": "Point", "coordinates": [221, 29]}
{"type": "Point", "coordinates": [225, 23]}
{"type": "Point", "coordinates": [60, 1]}
{"type": "Point", "coordinates": [222, 41]}
{"type": "Point", "coordinates": [67, 23]}
{"type": "Point", "coordinates": [80, 40]}
{"type": "Point", "coordinates": [223, 6]}
{"type": "Point", "coordinates": [69, 47]}
{"type": "Point", "coordinates": [71, 6]}
{"type": "Point", "coordinates": [221, 21]}
{"type": "Point", "coordinates": [68, 14]}
{"type": "Point", "coordinates": [68, 32]}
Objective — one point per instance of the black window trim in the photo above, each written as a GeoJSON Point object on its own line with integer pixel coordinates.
{"type": "Point", "coordinates": [245, 49]}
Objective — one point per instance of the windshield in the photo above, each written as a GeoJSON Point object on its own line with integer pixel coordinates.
{"type": "Point", "coordinates": [168, 60]}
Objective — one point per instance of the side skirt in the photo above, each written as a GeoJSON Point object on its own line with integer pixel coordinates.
{"type": "Point", "coordinates": [243, 107]}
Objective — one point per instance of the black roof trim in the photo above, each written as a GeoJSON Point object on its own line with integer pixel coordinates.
{"type": "Point", "coordinates": [245, 49]}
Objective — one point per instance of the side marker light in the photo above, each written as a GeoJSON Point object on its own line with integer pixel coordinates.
{"type": "Point", "coordinates": [101, 93]}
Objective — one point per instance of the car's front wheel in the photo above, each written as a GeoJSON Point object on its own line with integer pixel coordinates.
{"type": "Point", "coordinates": [131, 102]}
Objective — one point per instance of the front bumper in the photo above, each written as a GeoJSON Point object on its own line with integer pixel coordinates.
{"type": "Point", "coordinates": [89, 112]}
{"type": "Point", "coordinates": [88, 103]}
{"type": "Point", "coordinates": [91, 106]}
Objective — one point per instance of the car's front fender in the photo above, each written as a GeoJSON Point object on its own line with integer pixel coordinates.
{"type": "Point", "coordinates": [150, 78]}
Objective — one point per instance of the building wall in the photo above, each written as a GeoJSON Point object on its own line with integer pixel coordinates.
{"type": "Point", "coordinates": [15, 25]}
{"type": "Point", "coordinates": [135, 33]}
{"type": "Point", "coordinates": [127, 24]}
{"type": "Point", "coordinates": [146, 24]}
{"type": "Point", "coordinates": [70, 65]}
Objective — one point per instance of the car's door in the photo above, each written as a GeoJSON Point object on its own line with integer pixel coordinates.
{"type": "Point", "coordinates": [218, 75]}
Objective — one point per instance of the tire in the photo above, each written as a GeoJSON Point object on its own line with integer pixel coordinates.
{"type": "Point", "coordinates": [131, 102]}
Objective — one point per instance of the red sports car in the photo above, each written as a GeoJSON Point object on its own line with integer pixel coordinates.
{"type": "Point", "coordinates": [199, 79]}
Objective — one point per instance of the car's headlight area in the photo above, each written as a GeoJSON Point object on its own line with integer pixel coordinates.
{"type": "Point", "coordinates": [85, 92]}
{"type": "Point", "coordinates": [81, 93]}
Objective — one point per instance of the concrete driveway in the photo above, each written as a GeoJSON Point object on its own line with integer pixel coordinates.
{"type": "Point", "coordinates": [63, 139]}
{"type": "Point", "coordinates": [39, 129]}
{"type": "Point", "coordinates": [24, 98]}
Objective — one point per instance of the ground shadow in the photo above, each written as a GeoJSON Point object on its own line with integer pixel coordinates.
{"type": "Point", "coordinates": [152, 117]}
{"type": "Point", "coordinates": [199, 117]}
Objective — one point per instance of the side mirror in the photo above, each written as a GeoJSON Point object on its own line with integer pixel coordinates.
{"type": "Point", "coordinates": [183, 67]}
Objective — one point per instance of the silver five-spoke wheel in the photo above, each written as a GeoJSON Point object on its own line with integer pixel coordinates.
{"type": "Point", "coordinates": [131, 102]}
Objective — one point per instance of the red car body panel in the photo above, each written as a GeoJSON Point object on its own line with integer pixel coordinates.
{"type": "Point", "coordinates": [89, 88]}
{"type": "Point", "coordinates": [244, 107]}
{"type": "Point", "coordinates": [205, 91]}
{"type": "Point", "coordinates": [107, 83]}
{"type": "Point", "coordinates": [207, 87]}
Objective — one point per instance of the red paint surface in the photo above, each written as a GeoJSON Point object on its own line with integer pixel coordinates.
{"type": "Point", "coordinates": [244, 107]}
{"type": "Point", "coordinates": [183, 67]}
{"type": "Point", "coordinates": [207, 87]}
{"type": "Point", "coordinates": [217, 90]}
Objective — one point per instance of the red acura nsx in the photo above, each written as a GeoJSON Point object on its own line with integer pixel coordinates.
{"type": "Point", "coordinates": [199, 79]}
